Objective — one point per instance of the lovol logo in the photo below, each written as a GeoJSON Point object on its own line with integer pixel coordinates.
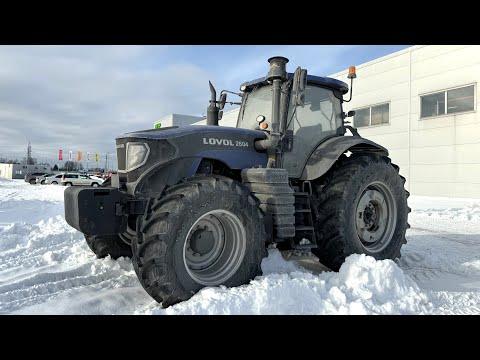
{"type": "Point", "coordinates": [213, 141]}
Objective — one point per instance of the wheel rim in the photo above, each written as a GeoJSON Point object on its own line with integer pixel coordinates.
{"type": "Point", "coordinates": [95, 185]}
{"type": "Point", "coordinates": [376, 217]}
{"type": "Point", "coordinates": [214, 248]}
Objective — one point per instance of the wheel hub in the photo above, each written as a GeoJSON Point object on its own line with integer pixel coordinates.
{"type": "Point", "coordinates": [202, 241]}
{"type": "Point", "coordinates": [215, 247]}
{"type": "Point", "coordinates": [370, 215]}
{"type": "Point", "coordinates": [205, 243]}
{"type": "Point", "coordinates": [376, 217]}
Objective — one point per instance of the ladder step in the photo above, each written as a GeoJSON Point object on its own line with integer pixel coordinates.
{"type": "Point", "coordinates": [302, 211]}
{"type": "Point", "coordinates": [304, 228]}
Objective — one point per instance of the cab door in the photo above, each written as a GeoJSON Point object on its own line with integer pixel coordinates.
{"type": "Point", "coordinates": [312, 123]}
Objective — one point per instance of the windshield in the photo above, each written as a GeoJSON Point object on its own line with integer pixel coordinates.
{"type": "Point", "coordinates": [257, 102]}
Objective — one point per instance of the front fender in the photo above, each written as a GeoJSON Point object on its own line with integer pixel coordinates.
{"type": "Point", "coordinates": [169, 173]}
{"type": "Point", "coordinates": [325, 155]}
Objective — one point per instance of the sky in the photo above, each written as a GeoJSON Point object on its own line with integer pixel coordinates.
{"type": "Point", "coordinates": [74, 97]}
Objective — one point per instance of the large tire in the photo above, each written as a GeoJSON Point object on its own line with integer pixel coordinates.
{"type": "Point", "coordinates": [104, 245]}
{"type": "Point", "coordinates": [360, 207]}
{"type": "Point", "coordinates": [169, 238]}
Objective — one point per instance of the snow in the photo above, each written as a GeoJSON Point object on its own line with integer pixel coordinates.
{"type": "Point", "coordinates": [47, 268]}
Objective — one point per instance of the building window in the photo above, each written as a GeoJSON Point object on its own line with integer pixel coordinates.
{"type": "Point", "coordinates": [372, 115]}
{"type": "Point", "coordinates": [448, 102]}
{"type": "Point", "coordinates": [18, 172]}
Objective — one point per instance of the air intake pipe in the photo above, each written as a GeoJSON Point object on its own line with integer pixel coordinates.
{"type": "Point", "coordinates": [277, 74]}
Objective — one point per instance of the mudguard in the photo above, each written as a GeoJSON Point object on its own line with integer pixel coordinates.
{"type": "Point", "coordinates": [325, 155]}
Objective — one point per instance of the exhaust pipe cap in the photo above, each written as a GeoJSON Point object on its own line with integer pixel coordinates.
{"type": "Point", "coordinates": [278, 68]}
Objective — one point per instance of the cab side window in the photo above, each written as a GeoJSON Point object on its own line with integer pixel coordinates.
{"type": "Point", "coordinates": [320, 112]}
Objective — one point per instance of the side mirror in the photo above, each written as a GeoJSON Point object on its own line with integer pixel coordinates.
{"type": "Point", "coordinates": [351, 113]}
{"type": "Point", "coordinates": [222, 101]}
{"type": "Point", "coordinates": [220, 114]}
{"type": "Point", "coordinates": [299, 83]}
{"type": "Point", "coordinates": [296, 80]}
{"type": "Point", "coordinates": [303, 80]}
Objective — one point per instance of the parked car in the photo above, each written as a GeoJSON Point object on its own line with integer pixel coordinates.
{"type": "Point", "coordinates": [70, 179]}
{"type": "Point", "coordinates": [95, 177]}
{"type": "Point", "coordinates": [41, 179]}
{"type": "Point", "coordinates": [31, 177]}
{"type": "Point", "coordinates": [53, 180]}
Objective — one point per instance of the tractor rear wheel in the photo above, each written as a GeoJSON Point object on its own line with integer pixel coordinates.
{"type": "Point", "coordinates": [207, 231]}
{"type": "Point", "coordinates": [360, 207]}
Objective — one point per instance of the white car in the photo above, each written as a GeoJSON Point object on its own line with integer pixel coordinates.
{"type": "Point", "coordinates": [97, 178]}
{"type": "Point", "coordinates": [41, 179]}
{"type": "Point", "coordinates": [70, 179]}
{"type": "Point", "coordinates": [53, 180]}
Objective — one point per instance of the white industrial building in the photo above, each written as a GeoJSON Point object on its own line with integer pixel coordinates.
{"type": "Point", "coordinates": [421, 104]}
{"type": "Point", "coordinates": [176, 120]}
{"type": "Point", "coordinates": [18, 171]}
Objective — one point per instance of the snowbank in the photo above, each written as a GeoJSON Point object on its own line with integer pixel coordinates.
{"type": "Point", "coordinates": [362, 286]}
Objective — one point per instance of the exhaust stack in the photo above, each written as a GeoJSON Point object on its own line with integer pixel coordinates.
{"type": "Point", "coordinates": [212, 110]}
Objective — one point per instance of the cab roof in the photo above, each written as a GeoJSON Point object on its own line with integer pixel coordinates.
{"type": "Point", "coordinates": [311, 79]}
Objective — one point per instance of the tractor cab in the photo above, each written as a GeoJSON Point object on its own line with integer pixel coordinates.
{"type": "Point", "coordinates": [303, 124]}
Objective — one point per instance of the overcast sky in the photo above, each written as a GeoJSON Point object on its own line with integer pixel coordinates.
{"type": "Point", "coordinates": [80, 97]}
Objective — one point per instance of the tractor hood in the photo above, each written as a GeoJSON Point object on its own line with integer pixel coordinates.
{"type": "Point", "coordinates": [176, 132]}
{"type": "Point", "coordinates": [142, 153]}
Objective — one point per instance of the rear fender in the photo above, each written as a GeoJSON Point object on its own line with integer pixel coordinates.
{"type": "Point", "coordinates": [328, 152]}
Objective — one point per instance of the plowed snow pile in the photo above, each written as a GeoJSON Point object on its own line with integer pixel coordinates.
{"type": "Point", "coordinates": [46, 268]}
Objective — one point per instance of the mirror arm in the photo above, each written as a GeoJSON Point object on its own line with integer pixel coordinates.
{"type": "Point", "coordinates": [351, 90]}
{"type": "Point", "coordinates": [231, 92]}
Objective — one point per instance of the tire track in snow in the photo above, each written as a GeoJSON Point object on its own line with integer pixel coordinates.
{"type": "Point", "coordinates": [27, 244]}
{"type": "Point", "coordinates": [435, 254]}
{"type": "Point", "coordinates": [95, 274]}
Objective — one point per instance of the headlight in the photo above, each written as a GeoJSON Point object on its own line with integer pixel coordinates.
{"type": "Point", "coordinates": [137, 154]}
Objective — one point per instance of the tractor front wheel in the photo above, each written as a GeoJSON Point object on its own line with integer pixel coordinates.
{"type": "Point", "coordinates": [207, 231]}
{"type": "Point", "coordinates": [104, 245]}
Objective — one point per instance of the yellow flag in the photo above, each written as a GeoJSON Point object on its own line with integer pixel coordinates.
{"type": "Point", "coordinates": [96, 156]}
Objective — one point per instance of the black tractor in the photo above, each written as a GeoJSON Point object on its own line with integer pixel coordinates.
{"type": "Point", "coordinates": [197, 206]}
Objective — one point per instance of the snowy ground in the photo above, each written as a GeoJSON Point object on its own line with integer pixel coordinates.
{"type": "Point", "coordinates": [46, 268]}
